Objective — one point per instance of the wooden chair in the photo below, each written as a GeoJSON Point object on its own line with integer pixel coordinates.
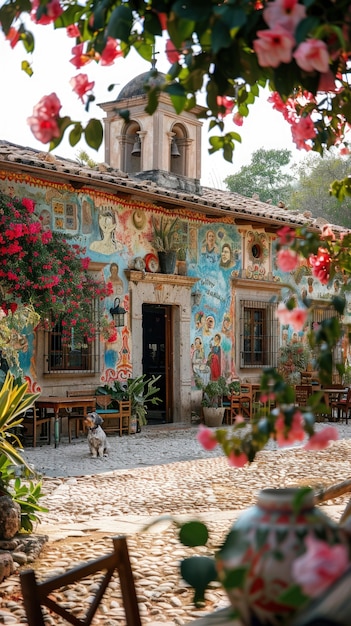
{"type": "Point", "coordinates": [37, 594]}
{"type": "Point", "coordinates": [246, 401]}
{"type": "Point", "coordinates": [75, 416]}
{"type": "Point", "coordinates": [302, 393]}
{"type": "Point", "coordinates": [117, 420]}
{"type": "Point", "coordinates": [36, 424]}
{"type": "Point", "coordinates": [342, 407]}
{"type": "Point", "coordinates": [233, 410]}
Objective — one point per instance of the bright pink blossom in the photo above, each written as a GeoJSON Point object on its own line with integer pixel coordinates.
{"type": "Point", "coordinates": [73, 31]}
{"type": "Point", "coordinates": [206, 437]}
{"type": "Point", "coordinates": [225, 103]}
{"type": "Point", "coordinates": [283, 314]}
{"type": "Point", "coordinates": [286, 235]}
{"type": "Point", "coordinates": [110, 52]}
{"type": "Point", "coordinates": [286, 435]}
{"type": "Point", "coordinates": [319, 566]}
{"type": "Point", "coordinates": [81, 85]}
{"type": "Point", "coordinates": [287, 260]}
{"type": "Point", "coordinates": [29, 204]}
{"type": "Point", "coordinates": [13, 36]}
{"type": "Point", "coordinates": [284, 13]}
{"type": "Point", "coordinates": [327, 82]}
{"type": "Point", "coordinates": [320, 440]}
{"type": "Point", "coordinates": [273, 47]}
{"type": "Point", "coordinates": [320, 264]}
{"type": "Point", "coordinates": [302, 130]}
{"type": "Point", "coordinates": [79, 58]}
{"type": "Point", "coordinates": [238, 119]}
{"type": "Point", "coordinates": [312, 55]}
{"type": "Point", "coordinates": [43, 122]}
{"type": "Point", "coordinates": [298, 318]}
{"type": "Point", "coordinates": [237, 459]}
{"type": "Point", "coordinates": [52, 10]}
{"type": "Point", "coordinates": [172, 53]}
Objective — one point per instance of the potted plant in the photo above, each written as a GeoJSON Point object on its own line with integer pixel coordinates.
{"type": "Point", "coordinates": [181, 261]}
{"type": "Point", "coordinates": [165, 242]}
{"type": "Point", "coordinates": [141, 391]}
{"type": "Point", "coordinates": [212, 400]}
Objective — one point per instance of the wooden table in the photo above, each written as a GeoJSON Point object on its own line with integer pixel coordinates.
{"type": "Point", "coordinates": [333, 394]}
{"type": "Point", "coordinates": [218, 618]}
{"type": "Point", "coordinates": [58, 403]}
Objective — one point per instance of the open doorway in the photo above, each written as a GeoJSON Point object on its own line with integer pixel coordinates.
{"type": "Point", "coordinates": [158, 357]}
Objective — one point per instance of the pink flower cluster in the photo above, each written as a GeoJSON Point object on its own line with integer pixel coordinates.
{"type": "Point", "coordinates": [296, 317]}
{"type": "Point", "coordinates": [81, 85]}
{"type": "Point", "coordinates": [321, 263]}
{"type": "Point", "coordinates": [319, 566]}
{"type": "Point", "coordinates": [49, 12]}
{"type": "Point", "coordinates": [276, 44]}
{"type": "Point", "coordinates": [44, 121]}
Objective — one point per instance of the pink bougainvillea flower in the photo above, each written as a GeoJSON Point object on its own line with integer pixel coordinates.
{"type": "Point", "coordinates": [13, 36]}
{"type": "Point", "coordinates": [29, 204]}
{"type": "Point", "coordinates": [80, 58]}
{"type": "Point", "coordinates": [327, 82]}
{"type": "Point", "coordinates": [319, 566]}
{"type": "Point", "coordinates": [283, 313]}
{"type": "Point", "coordinates": [225, 103]}
{"type": "Point", "coordinates": [73, 31]}
{"type": "Point", "coordinates": [298, 318]}
{"type": "Point", "coordinates": [163, 20]}
{"type": "Point", "coordinates": [285, 435]}
{"type": "Point", "coordinates": [237, 459]}
{"type": "Point", "coordinates": [172, 53]}
{"type": "Point", "coordinates": [273, 47]}
{"type": "Point", "coordinates": [320, 264]}
{"type": "Point", "coordinates": [81, 85]}
{"type": "Point", "coordinates": [302, 130]}
{"type": "Point", "coordinates": [284, 13]}
{"type": "Point", "coordinates": [43, 122]}
{"type": "Point", "coordinates": [286, 235]}
{"type": "Point", "coordinates": [320, 440]}
{"type": "Point", "coordinates": [206, 437]}
{"type": "Point", "coordinates": [287, 260]}
{"type": "Point", "coordinates": [110, 52]}
{"type": "Point", "coordinates": [51, 11]}
{"type": "Point", "coordinates": [312, 55]}
{"type": "Point", "coordinates": [238, 119]}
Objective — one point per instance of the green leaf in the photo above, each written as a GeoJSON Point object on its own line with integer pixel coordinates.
{"type": "Point", "coordinates": [220, 36]}
{"type": "Point", "coordinates": [26, 67]}
{"type": "Point", "coordinates": [179, 30]}
{"type": "Point", "coordinates": [193, 534]}
{"type": "Point", "coordinates": [235, 578]}
{"type": "Point", "coordinates": [63, 123]}
{"type": "Point", "coordinates": [193, 10]}
{"type": "Point", "coordinates": [120, 23]}
{"type": "Point", "coordinates": [198, 571]}
{"type": "Point", "coordinates": [152, 102]}
{"type": "Point", "coordinates": [94, 134]}
{"type": "Point", "coordinates": [75, 134]}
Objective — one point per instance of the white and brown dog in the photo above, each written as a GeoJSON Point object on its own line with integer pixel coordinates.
{"type": "Point", "coordinates": [97, 439]}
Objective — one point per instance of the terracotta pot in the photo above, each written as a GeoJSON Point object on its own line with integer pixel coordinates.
{"type": "Point", "coordinates": [213, 416]}
{"type": "Point", "coordinates": [265, 540]}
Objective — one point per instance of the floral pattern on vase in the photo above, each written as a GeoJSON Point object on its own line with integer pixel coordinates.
{"type": "Point", "coordinates": [255, 562]}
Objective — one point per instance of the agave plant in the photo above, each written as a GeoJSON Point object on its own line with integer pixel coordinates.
{"type": "Point", "coordinates": [14, 401]}
{"type": "Point", "coordinates": [164, 234]}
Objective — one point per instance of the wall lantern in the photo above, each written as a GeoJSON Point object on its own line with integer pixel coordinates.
{"type": "Point", "coordinates": [196, 298]}
{"type": "Point", "coordinates": [117, 313]}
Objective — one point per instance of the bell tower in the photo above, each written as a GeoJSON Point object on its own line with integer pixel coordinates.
{"type": "Point", "coordinates": [164, 142]}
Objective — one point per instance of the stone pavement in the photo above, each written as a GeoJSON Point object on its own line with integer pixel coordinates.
{"type": "Point", "coordinates": [158, 472]}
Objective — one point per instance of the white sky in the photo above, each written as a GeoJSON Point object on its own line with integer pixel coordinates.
{"type": "Point", "coordinates": [52, 72]}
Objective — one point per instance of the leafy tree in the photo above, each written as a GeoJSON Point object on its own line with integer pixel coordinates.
{"type": "Point", "coordinates": [266, 176]}
{"type": "Point", "coordinates": [223, 49]}
{"type": "Point", "coordinates": [315, 176]}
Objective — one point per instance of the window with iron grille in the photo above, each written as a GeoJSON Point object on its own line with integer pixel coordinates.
{"type": "Point", "coordinates": [258, 334]}
{"type": "Point", "coordinates": [76, 355]}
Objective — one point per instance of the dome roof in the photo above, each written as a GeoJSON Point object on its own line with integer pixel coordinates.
{"type": "Point", "coordinates": [135, 87]}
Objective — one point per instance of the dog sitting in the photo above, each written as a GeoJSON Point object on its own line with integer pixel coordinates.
{"type": "Point", "coordinates": [97, 439]}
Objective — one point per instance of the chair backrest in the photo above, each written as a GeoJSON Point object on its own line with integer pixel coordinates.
{"type": "Point", "coordinates": [302, 393]}
{"type": "Point", "coordinates": [103, 400]}
{"type": "Point", "coordinates": [37, 594]}
{"type": "Point", "coordinates": [125, 408]}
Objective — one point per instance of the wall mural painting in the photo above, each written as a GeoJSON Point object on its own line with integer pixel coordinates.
{"type": "Point", "coordinates": [218, 254]}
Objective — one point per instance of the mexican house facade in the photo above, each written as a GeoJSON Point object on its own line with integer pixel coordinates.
{"type": "Point", "coordinates": [217, 318]}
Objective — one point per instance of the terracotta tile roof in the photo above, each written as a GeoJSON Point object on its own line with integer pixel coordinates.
{"type": "Point", "coordinates": [213, 202]}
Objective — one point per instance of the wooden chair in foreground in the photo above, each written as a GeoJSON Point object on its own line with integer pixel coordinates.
{"type": "Point", "coordinates": [37, 426]}
{"type": "Point", "coordinates": [37, 594]}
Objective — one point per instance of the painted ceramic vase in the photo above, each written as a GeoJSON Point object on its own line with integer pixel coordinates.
{"type": "Point", "coordinates": [254, 564]}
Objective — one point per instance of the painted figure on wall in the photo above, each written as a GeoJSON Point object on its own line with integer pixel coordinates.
{"type": "Point", "coordinates": [226, 260]}
{"type": "Point", "coordinates": [45, 219]}
{"type": "Point", "coordinates": [115, 279]}
{"type": "Point", "coordinates": [210, 246]}
{"type": "Point", "coordinates": [214, 358]}
{"type": "Point", "coordinates": [107, 225]}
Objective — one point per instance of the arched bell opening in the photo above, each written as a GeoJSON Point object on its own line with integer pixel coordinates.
{"type": "Point", "coordinates": [178, 150]}
{"type": "Point", "coordinates": [132, 148]}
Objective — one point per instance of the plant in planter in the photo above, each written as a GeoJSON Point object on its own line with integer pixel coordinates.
{"type": "Point", "coordinates": [141, 391]}
{"type": "Point", "coordinates": [181, 261]}
{"type": "Point", "coordinates": [165, 242]}
{"type": "Point", "coordinates": [212, 400]}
